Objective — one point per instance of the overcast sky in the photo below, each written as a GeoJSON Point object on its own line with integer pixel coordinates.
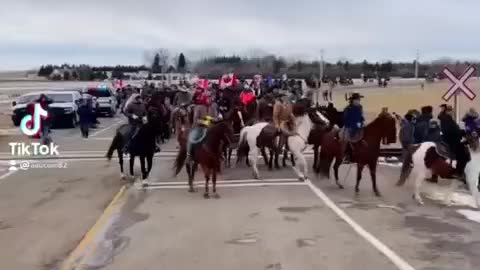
{"type": "Point", "coordinates": [33, 32]}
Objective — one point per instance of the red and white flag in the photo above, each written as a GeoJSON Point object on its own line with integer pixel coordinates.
{"type": "Point", "coordinates": [227, 80]}
{"type": "Point", "coordinates": [202, 83]}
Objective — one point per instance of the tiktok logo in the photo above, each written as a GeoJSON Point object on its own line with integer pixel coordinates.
{"type": "Point", "coordinates": [31, 125]}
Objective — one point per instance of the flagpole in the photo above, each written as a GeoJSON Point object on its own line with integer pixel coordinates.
{"type": "Point", "coordinates": [321, 65]}
{"type": "Point", "coordinates": [416, 64]}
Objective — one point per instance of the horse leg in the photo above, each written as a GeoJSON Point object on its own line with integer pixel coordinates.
{"type": "Point", "coordinates": [292, 159]}
{"type": "Point", "coordinates": [336, 165]}
{"type": "Point", "coordinates": [149, 164]}
{"type": "Point", "coordinates": [120, 161]}
{"type": "Point", "coordinates": [359, 176]}
{"type": "Point", "coordinates": [253, 156]}
{"type": "Point", "coordinates": [373, 174]}
{"type": "Point", "coordinates": [230, 150]}
{"type": "Point", "coordinates": [189, 168]}
{"type": "Point", "coordinates": [301, 158]}
{"type": "Point", "coordinates": [264, 155]}
{"type": "Point", "coordinates": [419, 178]}
{"type": "Point", "coordinates": [207, 179]}
{"type": "Point", "coordinates": [132, 163]}
{"type": "Point", "coordinates": [214, 185]}
{"type": "Point", "coordinates": [144, 171]}
{"type": "Point", "coordinates": [315, 158]}
{"type": "Point", "coordinates": [272, 155]}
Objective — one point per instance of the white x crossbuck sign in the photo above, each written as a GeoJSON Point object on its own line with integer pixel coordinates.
{"type": "Point", "coordinates": [459, 83]}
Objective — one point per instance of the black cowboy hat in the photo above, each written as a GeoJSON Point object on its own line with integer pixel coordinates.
{"type": "Point", "coordinates": [355, 96]}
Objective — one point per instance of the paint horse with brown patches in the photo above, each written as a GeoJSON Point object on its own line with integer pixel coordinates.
{"type": "Point", "coordinates": [427, 161]}
{"type": "Point", "coordinates": [365, 152]}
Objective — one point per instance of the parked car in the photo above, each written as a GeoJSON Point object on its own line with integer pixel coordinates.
{"type": "Point", "coordinates": [106, 99]}
{"type": "Point", "coordinates": [63, 109]}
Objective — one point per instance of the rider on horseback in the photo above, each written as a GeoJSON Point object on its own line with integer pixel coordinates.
{"type": "Point", "coordinates": [353, 121]}
{"type": "Point", "coordinates": [136, 113]}
{"type": "Point", "coordinates": [283, 116]}
{"type": "Point", "coordinates": [197, 134]}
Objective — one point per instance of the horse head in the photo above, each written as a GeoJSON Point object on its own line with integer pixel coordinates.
{"type": "Point", "coordinates": [222, 131]}
{"type": "Point", "coordinates": [472, 139]}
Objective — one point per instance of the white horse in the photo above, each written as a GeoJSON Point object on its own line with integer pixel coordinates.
{"type": "Point", "coordinates": [299, 142]}
{"type": "Point", "coordinates": [420, 172]}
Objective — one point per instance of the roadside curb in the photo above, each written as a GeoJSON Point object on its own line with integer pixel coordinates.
{"type": "Point", "coordinates": [88, 244]}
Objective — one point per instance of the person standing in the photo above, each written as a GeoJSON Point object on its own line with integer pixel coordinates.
{"type": "Point", "coordinates": [407, 139]}
{"type": "Point", "coordinates": [85, 115]}
{"type": "Point", "coordinates": [422, 124]}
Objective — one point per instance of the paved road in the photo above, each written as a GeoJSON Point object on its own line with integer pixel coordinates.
{"type": "Point", "coordinates": [275, 224]}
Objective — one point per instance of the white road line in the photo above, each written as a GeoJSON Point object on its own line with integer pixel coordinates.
{"type": "Point", "coordinates": [227, 185]}
{"type": "Point", "coordinates": [390, 254]}
{"type": "Point", "coordinates": [231, 181]}
{"type": "Point", "coordinates": [7, 174]}
{"type": "Point", "coordinates": [106, 128]}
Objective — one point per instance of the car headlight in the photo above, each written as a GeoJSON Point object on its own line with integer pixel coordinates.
{"type": "Point", "coordinates": [68, 110]}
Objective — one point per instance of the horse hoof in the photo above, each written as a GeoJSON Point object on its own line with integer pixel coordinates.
{"type": "Point", "coordinates": [216, 196]}
{"type": "Point", "coordinates": [206, 196]}
{"type": "Point", "coordinates": [191, 190]}
{"type": "Point", "coordinates": [144, 184]}
{"type": "Point", "coordinates": [123, 176]}
{"type": "Point", "coordinates": [357, 190]}
{"type": "Point", "coordinates": [301, 179]}
{"type": "Point", "coordinates": [340, 186]}
{"type": "Point", "coordinates": [378, 194]}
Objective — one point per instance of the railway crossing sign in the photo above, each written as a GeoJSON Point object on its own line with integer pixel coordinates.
{"type": "Point", "coordinates": [459, 83]}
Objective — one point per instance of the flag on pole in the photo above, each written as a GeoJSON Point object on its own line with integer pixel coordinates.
{"type": "Point", "coordinates": [227, 80]}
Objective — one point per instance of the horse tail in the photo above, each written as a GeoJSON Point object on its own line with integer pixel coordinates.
{"type": "Point", "coordinates": [180, 160]}
{"type": "Point", "coordinates": [113, 146]}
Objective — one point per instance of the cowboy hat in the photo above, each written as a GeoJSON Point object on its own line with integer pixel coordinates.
{"type": "Point", "coordinates": [355, 96]}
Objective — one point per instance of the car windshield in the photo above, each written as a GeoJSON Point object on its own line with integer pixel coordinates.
{"type": "Point", "coordinates": [99, 93]}
{"type": "Point", "coordinates": [61, 98]}
{"type": "Point", "coordinates": [27, 99]}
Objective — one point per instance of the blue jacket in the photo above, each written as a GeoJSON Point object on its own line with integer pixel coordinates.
{"type": "Point", "coordinates": [352, 115]}
{"type": "Point", "coordinates": [470, 123]}
{"type": "Point", "coordinates": [85, 114]}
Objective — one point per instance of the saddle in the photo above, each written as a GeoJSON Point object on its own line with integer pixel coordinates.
{"type": "Point", "coordinates": [343, 135]}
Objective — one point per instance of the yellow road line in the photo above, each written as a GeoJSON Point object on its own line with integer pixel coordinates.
{"type": "Point", "coordinates": [81, 249]}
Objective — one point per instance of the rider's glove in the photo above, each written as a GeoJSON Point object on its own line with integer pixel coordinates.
{"type": "Point", "coordinates": [144, 120]}
{"type": "Point", "coordinates": [134, 116]}
{"type": "Point", "coordinates": [359, 125]}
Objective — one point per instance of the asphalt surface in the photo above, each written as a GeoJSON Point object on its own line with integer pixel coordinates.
{"type": "Point", "coordinates": [276, 223]}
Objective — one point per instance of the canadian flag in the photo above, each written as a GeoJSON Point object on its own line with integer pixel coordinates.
{"type": "Point", "coordinates": [227, 80]}
{"type": "Point", "coordinates": [202, 83]}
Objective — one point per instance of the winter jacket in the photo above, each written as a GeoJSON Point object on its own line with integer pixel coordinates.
{"type": "Point", "coordinates": [200, 98]}
{"type": "Point", "coordinates": [182, 97]}
{"type": "Point", "coordinates": [353, 116]}
{"type": "Point", "coordinates": [451, 132]}
{"type": "Point", "coordinates": [246, 97]}
{"type": "Point", "coordinates": [470, 122]}
{"type": "Point", "coordinates": [282, 112]}
{"type": "Point", "coordinates": [421, 127]}
{"type": "Point", "coordinates": [434, 135]}
{"type": "Point", "coordinates": [85, 114]}
{"type": "Point", "coordinates": [407, 130]}
{"type": "Point", "coordinates": [137, 109]}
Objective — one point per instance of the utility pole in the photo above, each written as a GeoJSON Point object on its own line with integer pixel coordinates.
{"type": "Point", "coordinates": [321, 65]}
{"type": "Point", "coordinates": [416, 64]}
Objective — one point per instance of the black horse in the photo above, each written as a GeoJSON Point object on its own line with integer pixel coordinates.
{"type": "Point", "coordinates": [142, 145]}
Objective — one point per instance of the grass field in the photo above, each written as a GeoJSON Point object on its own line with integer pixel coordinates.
{"type": "Point", "coordinates": [400, 99]}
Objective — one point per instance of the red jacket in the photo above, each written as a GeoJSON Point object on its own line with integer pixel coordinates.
{"type": "Point", "coordinates": [200, 98]}
{"type": "Point", "coordinates": [246, 97]}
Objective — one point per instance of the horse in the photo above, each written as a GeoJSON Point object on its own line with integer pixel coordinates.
{"type": "Point", "coordinates": [207, 154]}
{"type": "Point", "coordinates": [428, 160]}
{"type": "Point", "coordinates": [299, 142]}
{"type": "Point", "coordinates": [365, 152]}
{"type": "Point", "coordinates": [142, 145]}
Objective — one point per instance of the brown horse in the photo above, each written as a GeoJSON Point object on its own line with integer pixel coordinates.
{"type": "Point", "coordinates": [208, 154]}
{"type": "Point", "coordinates": [365, 152]}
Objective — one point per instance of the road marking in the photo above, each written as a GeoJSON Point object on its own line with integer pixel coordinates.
{"type": "Point", "coordinates": [106, 128]}
{"type": "Point", "coordinates": [266, 184]}
{"type": "Point", "coordinates": [87, 246]}
{"type": "Point", "coordinates": [7, 174]}
{"type": "Point", "coordinates": [231, 181]}
{"type": "Point", "coordinates": [390, 254]}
